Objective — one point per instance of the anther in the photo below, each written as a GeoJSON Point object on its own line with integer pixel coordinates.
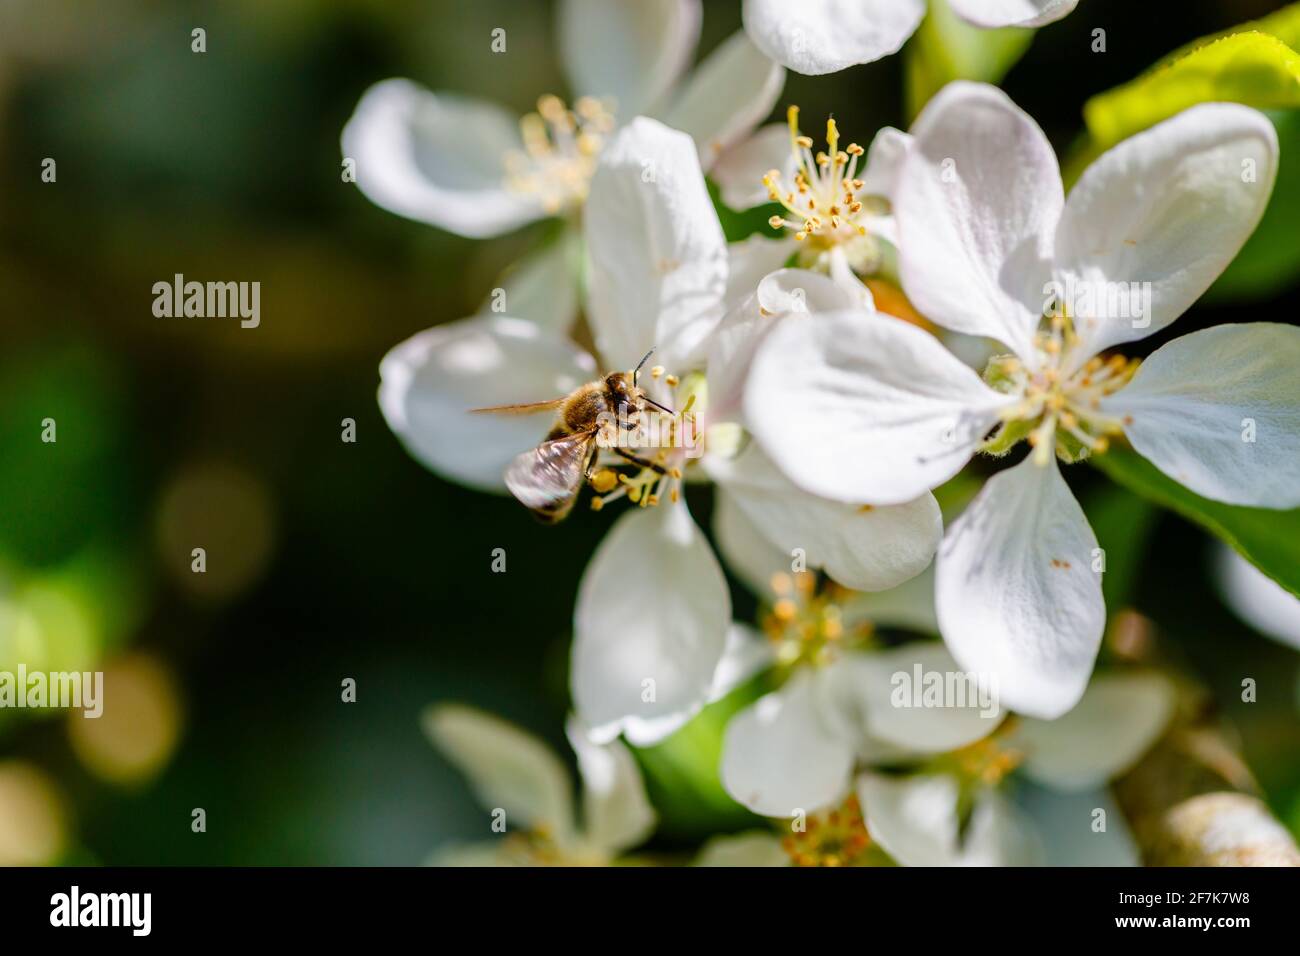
{"type": "Point", "coordinates": [604, 480]}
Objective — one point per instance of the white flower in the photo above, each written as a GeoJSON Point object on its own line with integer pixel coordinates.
{"type": "Point", "coordinates": [796, 748]}
{"type": "Point", "coordinates": [917, 818]}
{"type": "Point", "coordinates": [836, 203]}
{"type": "Point", "coordinates": [752, 848]}
{"type": "Point", "coordinates": [860, 547]}
{"type": "Point", "coordinates": [879, 411]}
{"type": "Point", "coordinates": [524, 785]}
{"type": "Point", "coordinates": [660, 236]}
{"type": "Point", "coordinates": [794, 751]}
{"type": "Point", "coordinates": [467, 166]}
{"type": "Point", "coordinates": [1026, 792]}
{"type": "Point", "coordinates": [1256, 598]}
{"type": "Point", "coordinates": [825, 36]}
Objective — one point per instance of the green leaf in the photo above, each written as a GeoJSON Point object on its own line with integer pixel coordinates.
{"type": "Point", "coordinates": [1122, 522]}
{"type": "Point", "coordinates": [1268, 539]}
{"type": "Point", "coordinates": [947, 48]}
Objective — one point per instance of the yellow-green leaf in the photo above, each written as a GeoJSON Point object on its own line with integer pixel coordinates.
{"type": "Point", "coordinates": [1253, 68]}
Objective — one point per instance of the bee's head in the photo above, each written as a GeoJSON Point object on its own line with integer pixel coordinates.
{"type": "Point", "coordinates": [625, 397]}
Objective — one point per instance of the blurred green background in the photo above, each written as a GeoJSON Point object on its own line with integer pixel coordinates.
{"type": "Point", "coordinates": [329, 560]}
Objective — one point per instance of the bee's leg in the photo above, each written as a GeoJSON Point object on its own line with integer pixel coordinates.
{"type": "Point", "coordinates": [657, 468]}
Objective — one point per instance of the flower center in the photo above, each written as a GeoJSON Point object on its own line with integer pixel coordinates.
{"type": "Point", "coordinates": [807, 625]}
{"type": "Point", "coordinates": [988, 761]}
{"type": "Point", "coordinates": [1060, 406]}
{"type": "Point", "coordinates": [822, 204]}
{"type": "Point", "coordinates": [645, 463]}
{"type": "Point", "coordinates": [560, 150]}
{"type": "Point", "coordinates": [835, 838]}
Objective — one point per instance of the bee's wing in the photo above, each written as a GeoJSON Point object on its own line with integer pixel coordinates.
{"type": "Point", "coordinates": [529, 408]}
{"type": "Point", "coordinates": [547, 478]}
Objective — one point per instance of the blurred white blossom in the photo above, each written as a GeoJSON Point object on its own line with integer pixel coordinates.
{"type": "Point", "coordinates": [525, 786]}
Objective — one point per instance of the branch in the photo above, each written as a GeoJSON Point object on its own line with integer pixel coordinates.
{"type": "Point", "coordinates": [1192, 802]}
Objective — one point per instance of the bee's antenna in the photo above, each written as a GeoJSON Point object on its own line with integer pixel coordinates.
{"type": "Point", "coordinates": [658, 406]}
{"type": "Point", "coordinates": [644, 359]}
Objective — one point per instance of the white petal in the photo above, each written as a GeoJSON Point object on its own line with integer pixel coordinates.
{"type": "Point", "coordinates": [740, 169]}
{"type": "Point", "coordinates": [752, 848]}
{"type": "Point", "coordinates": [1066, 823]}
{"type": "Point", "coordinates": [1219, 411]}
{"type": "Point", "coordinates": [733, 344]}
{"type": "Point", "coordinates": [803, 291]}
{"type": "Point", "coordinates": [892, 688]}
{"type": "Point", "coordinates": [865, 408]}
{"type": "Point", "coordinates": [1116, 722]}
{"type": "Point", "coordinates": [543, 286]}
{"type": "Point", "coordinates": [1017, 597]}
{"type": "Point", "coordinates": [616, 813]}
{"type": "Point", "coordinates": [843, 690]}
{"type": "Point", "coordinates": [507, 767]}
{"type": "Point", "coordinates": [1012, 13]}
{"type": "Point", "coordinates": [439, 159]}
{"type": "Point", "coordinates": [1170, 207]}
{"type": "Point", "coordinates": [1257, 599]}
{"type": "Point", "coordinates": [749, 260]}
{"type": "Point", "coordinates": [914, 819]}
{"type": "Point", "coordinates": [978, 200]}
{"type": "Point", "coordinates": [779, 756]}
{"type": "Point", "coordinates": [429, 383]}
{"type": "Point", "coordinates": [885, 159]}
{"type": "Point", "coordinates": [646, 731]}
{"type": "Point", "coordinates": [630, 50]}
{"type": "Point", "coordinates": [823, 36]}
{"type": "Point", "coordinates": [909, 606]}
{"type": "Point", "coordinates": [478, 854]}
{"type": "Point", "coordinates": [746, 655]}
{"type": "Point", "coordinates": [999, 834]}
{"type": "Point", "coordinates": [745, 550]}
{"type": "Point", "coordinates": [730, 352]}
{"type": "Point", "coordinates": [842, 274]}
{"type": "Point", "coordinates": [651, 622]}
{"type": "Point", "coordinates": [864, 549]}
{"type": "Point", "coordinates": [658, 256]}
{"type": "Point", "coordinates": [729, 94]}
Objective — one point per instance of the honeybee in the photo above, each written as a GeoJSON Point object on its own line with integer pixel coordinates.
{"type": "Point", "coordinates": [547, 479]}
